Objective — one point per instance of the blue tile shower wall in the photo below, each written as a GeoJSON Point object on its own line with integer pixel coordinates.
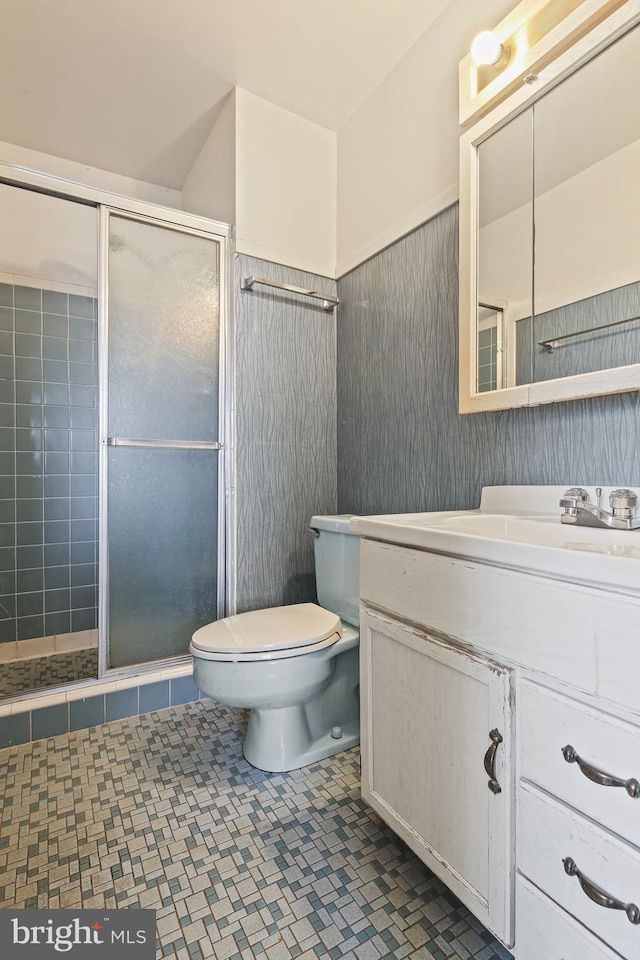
{"type": "Point", "coordinates": [286, 433]}
{"type": "Point", "coordinates": [487, 359]}
{"type": "Point", "coordinates": [402, 446]}
{"type": "Point", "coordinates": [48, 462]}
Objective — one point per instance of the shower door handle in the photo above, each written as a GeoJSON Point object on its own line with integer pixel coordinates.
{"type": "Point", "coordinates": [162, 444]}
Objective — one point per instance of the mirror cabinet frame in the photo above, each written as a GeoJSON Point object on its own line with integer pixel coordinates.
{"type": "Point", "coordinates": [498, 111]}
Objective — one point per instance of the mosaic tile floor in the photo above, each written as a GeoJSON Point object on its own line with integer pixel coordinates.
{"type": "Point", "coordinates": [162, 811]}
{"type": "Point", "coordinates": [18, 676]}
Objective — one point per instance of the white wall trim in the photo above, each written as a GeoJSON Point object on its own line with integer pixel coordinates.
{"type": "Point", "coordinates": [417, 217]}
{"type": "Point", "coordinates": [43, 283]}
{"type": "Point", "coordinates": [292, 258]}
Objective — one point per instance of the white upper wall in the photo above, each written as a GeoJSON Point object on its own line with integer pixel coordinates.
{"type": "Point", "coordinates": [55, 241]}
{"type": "Point", "coordinates": [210, 186]}
{"type": "Point", "coordinates": [398, 155]}
{"type": "Point", "coordinates": [91, 176]}
{"type": "Point", "coordinates": [273, 175]}
{"type": "Point", "coordinates": [286, 195]}
{"type": "Point", "coordinates": [48, 239]}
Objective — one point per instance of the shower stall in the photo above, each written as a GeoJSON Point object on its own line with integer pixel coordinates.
{"type": "Point", "coordinates": [114, 408]}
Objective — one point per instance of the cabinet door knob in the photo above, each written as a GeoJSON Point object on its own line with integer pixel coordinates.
{"type": "Point", "coordinates": [632, 786]}
{"type": "Point", "coordinates": [490, 761]}
{"type": "Point", "coordinates": [600, 896]}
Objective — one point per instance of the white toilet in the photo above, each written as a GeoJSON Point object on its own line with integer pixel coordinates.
{"type": "Point", "coordinates": [295, 668]}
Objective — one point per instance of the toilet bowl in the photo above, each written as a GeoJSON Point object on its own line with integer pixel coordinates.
{"type": "Point", "coordinates": [295, 668]}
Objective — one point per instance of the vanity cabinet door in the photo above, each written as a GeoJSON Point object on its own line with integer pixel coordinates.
{"type": "Point", "coordinates": [436, 759]}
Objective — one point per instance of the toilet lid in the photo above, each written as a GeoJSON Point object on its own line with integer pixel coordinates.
{"type": "Point", "coordinates": [276, 628]}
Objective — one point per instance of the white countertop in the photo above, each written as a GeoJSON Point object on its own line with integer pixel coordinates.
{"type": "Point", "coordinates": [519, 527]}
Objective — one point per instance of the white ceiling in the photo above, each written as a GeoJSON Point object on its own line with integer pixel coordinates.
{"type": "Point", "coordinates": [134, 86]}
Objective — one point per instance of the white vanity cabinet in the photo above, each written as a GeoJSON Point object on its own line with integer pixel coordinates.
{"type": "Point", "coordinates": [453, 649]}
{"type": "Point", "coordinates": [437, 758]}
{"type": "Point", "coordinates": [579, 825]}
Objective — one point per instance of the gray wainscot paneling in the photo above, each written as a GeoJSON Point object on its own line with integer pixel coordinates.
{"type": "Point", "coordinates": [286, 432]}
{"type": "Point", "coordinates": [402, 446]}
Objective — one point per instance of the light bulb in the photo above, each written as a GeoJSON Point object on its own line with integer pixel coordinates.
{"type": "Point", "coordinates": [486, 49]}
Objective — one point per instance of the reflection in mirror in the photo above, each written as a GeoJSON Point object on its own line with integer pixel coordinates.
{"type": "Point", "coordinates": [490, 346]}
{"type": "Point", "coordinates": [587, 219]}
{"type": "Point", "coordinates": [48, 441]}
{"type": "Point", "coordinates": [505, 232]}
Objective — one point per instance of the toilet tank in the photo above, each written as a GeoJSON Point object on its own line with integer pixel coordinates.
{"type": "Point", "coordinates": [337, 556]}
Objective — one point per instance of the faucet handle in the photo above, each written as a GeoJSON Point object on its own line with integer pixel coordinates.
{"type": "Point", "coordinates": [572, 499]}
{"type": "Point", "coordinates": [623, 502]}
{"type": "Point", "coordinates": [576, 493]}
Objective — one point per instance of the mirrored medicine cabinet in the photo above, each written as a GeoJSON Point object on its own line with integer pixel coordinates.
{"type": "Point", "coordinates": [550, 230]}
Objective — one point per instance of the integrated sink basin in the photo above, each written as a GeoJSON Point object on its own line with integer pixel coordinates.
{"type": "Point", "coordinates": [503, 526]}
{"type": "Point", "coordinates": [519, 527]}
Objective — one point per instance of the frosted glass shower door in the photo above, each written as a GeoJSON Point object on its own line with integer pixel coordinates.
{"type": "Point", "coordinates": [161, 438]}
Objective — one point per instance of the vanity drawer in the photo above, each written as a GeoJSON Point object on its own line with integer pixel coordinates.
{"type": "Point", "coordinates": [551, 722]}
{"type": "Point", "coordinates": [549, 832]}
{"type": "Point", "coordinates": [545, 932]}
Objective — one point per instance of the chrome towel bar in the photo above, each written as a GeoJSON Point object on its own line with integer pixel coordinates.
{"type": "Point", "coordinates": [554, 341]}
{"type": "Point", "coordinates": [328, 302]}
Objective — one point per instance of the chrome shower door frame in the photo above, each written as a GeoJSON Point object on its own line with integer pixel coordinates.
{"type": "Point", "coordinates": [220, 234]}
{"type": "Point", "coordinates": [109, 203]}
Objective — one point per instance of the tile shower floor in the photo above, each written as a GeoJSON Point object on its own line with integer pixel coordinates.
{"type": "Point", "coordinates": [162, 811]}
{"type": "Point", "coordinates": [18, 676]}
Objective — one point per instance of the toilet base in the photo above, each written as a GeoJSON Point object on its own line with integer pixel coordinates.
{"type": "Point", "coordinates": [294, 703]}
{"type": "Point", "coordinates": [266, 748]}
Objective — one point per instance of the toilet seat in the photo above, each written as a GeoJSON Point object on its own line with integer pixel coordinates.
{"type": "Point", "coordinates": [269, 634]}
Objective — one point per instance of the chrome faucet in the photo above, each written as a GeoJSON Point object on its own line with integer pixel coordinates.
{"type": "Point", "coordinates": [579, 510]}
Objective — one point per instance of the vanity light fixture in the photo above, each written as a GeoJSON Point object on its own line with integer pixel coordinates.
{"type": "Point", "coordinates": [533, 35]}
{"type": "Point", "coordinates": [487, 50]}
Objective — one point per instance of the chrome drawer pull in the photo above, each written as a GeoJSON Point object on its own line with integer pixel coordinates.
{"type": "Point", "coordinates": [490, 761]}
{"type": "Point", "coordinates": [632, 786]}
{"type": "Point", "coordinates": [600, 896]}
